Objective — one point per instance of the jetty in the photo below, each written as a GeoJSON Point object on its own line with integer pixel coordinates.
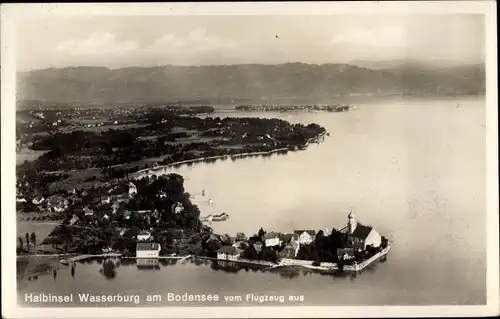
{"type": "Point", "coordinates": [83, 257]}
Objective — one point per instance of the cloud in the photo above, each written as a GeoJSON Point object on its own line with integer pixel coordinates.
{"type": "Point", "coordinates": [389, 36]}
{"type": "Point", "coordinates": [97, 44]}
{"type": "Point", "coordinates": [196, 41]}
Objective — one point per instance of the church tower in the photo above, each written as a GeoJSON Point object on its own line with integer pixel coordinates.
{"type": "Point", "coordinates": [352, 223]}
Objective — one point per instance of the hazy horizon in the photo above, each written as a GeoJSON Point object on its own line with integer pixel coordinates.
{"type": "Point", "coordinates": [149, 41]}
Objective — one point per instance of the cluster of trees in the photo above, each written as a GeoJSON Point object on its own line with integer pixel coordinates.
{"type": "Point", "coordinates": [157, 196]}
{"type": "Point", "coordinates": [30, 240]}
{"type": "Point", "coordinates": [82, 150]}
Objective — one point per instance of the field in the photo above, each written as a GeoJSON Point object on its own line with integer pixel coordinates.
{"type": "Point", "coordinates": [29, 155]}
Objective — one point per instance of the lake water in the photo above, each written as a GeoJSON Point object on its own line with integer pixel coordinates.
{"type": "Point", "coordinates": [414, 170]}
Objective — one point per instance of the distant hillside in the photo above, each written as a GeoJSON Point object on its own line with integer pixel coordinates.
{"type": "Point", "coordinates": [240, 82]}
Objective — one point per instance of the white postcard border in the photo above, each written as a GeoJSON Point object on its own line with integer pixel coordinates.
{"type": "Point", "coordinates": [10, 12]}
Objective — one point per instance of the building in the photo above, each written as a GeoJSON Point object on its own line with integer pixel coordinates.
{"type": "Point", "coordinates": [20, 200]}
{"type": "Point", "coordinates": [88, 212]}
{"type": "Point", "coordinates": [147, 250]}
{"type": "Point", "coordinates": [73, 219]}
{"type": "Point", "coordinates": [360, 236]}
{"type": "Point", "coordinates": [305, 236]}
{"type": "Point", "coordinates": [271, 239]}
{"type": "Point", "coordinates": [227, 253]}
{"type": "Point", "coordinates": [258, 246]}
{"type": "Point", "coordinates": [38, 200]}
{"type": "Point", "coordinates": [287, 238]}
{"type": "Point", "coordinates": [143, 235]}
{"type": "Point", "coordinates": [291, 250]}
{"type": "Point", "coordinates": [345, 253]}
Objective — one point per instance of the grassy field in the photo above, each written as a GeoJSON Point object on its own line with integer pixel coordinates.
{"type": "Point", "coordinates": [27, 154]}
{"type": "Point", "coordinates": [41, 229]}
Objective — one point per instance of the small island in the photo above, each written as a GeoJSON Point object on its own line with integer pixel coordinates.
{"type": "Point", "coordinates": [290, 108]}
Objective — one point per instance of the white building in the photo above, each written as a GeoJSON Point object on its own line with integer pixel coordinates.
{"type": "Point", "coordinates": [305, 236]}
{"type": "Point", "coordinates": [147, 250]}
{"type": "Point", "coordinates": [143, 235]}
{"type": "Point", "coordinates": [271, 239]}
{"type": "Point", "coordinates": [88, 211]}
{"type": "Point", "coordinates": [38, 200]}
{"type": "Point", "coordinates": [73, 219]}
{"type": "Point", "coordinates": [228, 253]}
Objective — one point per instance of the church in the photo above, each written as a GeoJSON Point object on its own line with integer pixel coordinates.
{"type": "Point", "coordinates": [360, 236]}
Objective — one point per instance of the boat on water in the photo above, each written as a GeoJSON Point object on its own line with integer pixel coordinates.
{"type": "Point", "coordinates": [216, 218]}
{"type": "Point", "coordinates": [220, 217]}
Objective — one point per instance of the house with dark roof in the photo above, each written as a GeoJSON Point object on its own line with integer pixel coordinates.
{"type": "Point", "coordinates": [305, 236]}
{"type": "Point", "coordinates": [271, 239]}
{"type": "Point", "coordinates": [258, 246]}
{"type": "Point", "coordinates": [360, 236]}
{"type": "Point", "coordinates": [228, 253]}
{"type": "Point", "coordinates": [147, 250]}
{"type": "Point", "coordinates": [287, 238]}
{"type": "Point", "coordinates": [291, 250]}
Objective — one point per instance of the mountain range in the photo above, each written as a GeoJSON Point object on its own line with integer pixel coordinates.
{"type": "Point", "coordinates": [245, 82]}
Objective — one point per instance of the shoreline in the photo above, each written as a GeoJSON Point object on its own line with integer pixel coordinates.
{"type": "Point", "coordinates": [201, 159]}
{"type": "Point", "coordinates": [284, 263]}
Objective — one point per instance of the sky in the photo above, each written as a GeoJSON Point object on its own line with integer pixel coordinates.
{"type": "Point", "coordinates": [122, 41]}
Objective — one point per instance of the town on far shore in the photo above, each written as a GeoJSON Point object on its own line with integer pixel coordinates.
{"type": "Point", "coordinates": [152, 217]}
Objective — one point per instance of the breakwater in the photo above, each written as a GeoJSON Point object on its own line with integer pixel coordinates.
{"type": "Point", "coordinates": [326, 266]}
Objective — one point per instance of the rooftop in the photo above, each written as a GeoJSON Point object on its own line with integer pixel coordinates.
{"type": "Point", "coordinates": [288, 237]}
{"type": "Point", "coordinates": [310, 232]}
{"type": "Point", "coordinates": [148, 246]}
{"type": "Point", "coordinates": [361, 231]}
{"type": "Point", "coordinates": [228, 250]}
{"type": "Point", "coordinates": [270, 235]}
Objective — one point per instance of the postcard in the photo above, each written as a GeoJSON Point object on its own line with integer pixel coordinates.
{"type": "Point", "coordinates": [230, 160]}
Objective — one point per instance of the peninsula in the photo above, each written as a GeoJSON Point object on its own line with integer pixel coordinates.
{"type": "Point", "coordinates": [84, 147]}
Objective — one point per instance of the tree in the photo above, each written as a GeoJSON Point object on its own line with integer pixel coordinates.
{"type": "Point", "coordinates": [20, 243]}
{"type": "Point", "coordinates": [261, 232]}
{"type": "Point", "coordinates": [27, 236]}
{"type": "Point", "coordinates": [33, 238]}
{"type": "Point", "coordinates": [241, 237]}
